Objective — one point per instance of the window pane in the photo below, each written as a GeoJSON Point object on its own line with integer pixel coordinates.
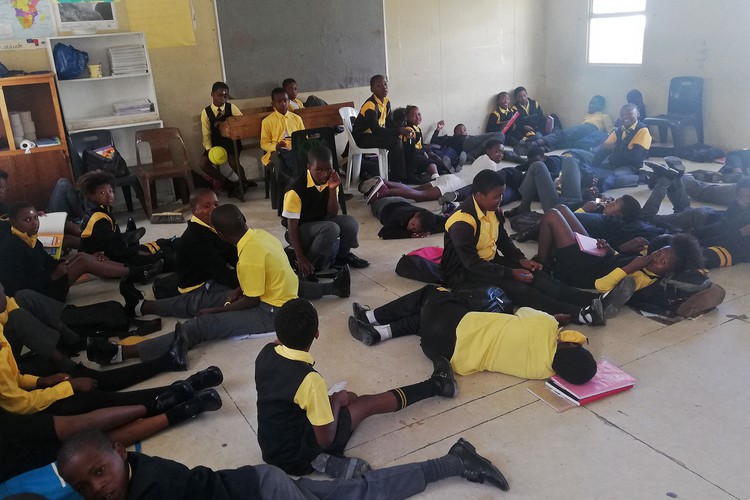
{"type": "Point", "coordinates": [617, 40]}
{"type": "Point", "coordinates": [615, 6]}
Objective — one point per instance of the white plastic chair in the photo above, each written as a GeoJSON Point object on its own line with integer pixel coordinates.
{"type": "Point", "coordinates": [355, 152]}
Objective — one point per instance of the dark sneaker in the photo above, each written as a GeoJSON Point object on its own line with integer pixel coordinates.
{"type": "Point", "coordinates": [443, 377]}
{"type": "Point", "coordinates": [360, 312]}
{"type": "Point", "coordinates": [342, 284]}
{"type": "Point", "coordinates": [702, 302]}
{"type": "Point", "coordinates": [340, 467]}
{"type": "Point", "coordinates": [367, 185]}
{"type": "Point", "coordinates": [449, 208]}
{"type": "Point", "coordinates": [448, 197]}
{"type": "Point", "coordinates": [101, 350]}
{"type": "Point", "coordinates": [593, 315]}
{"type": "Point", "coordinates": [477, 469]}
{"type": "Point", "coordinates": [364, 332]}
{"type": "Point", "coordinates": [376, 193]}
{"type": "Point", "coordinates": [614, 299]}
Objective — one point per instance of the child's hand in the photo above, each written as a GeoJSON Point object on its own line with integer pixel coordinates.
{"type": "Point", "coordinates": [406, 132]}
{"type": "Point", "coordinates": [603, 245]}
{"type": "Point", "coordinates": [52, 380]}
{"type": "Point", "coordinates": [281, 145]}
{"type": "Point", "coordinates": [637, 264]}
{"type": "Point", "coordinates": [100, 256]}
{"type": "Point", "coordinates": [523, 275]}
{"type": "Point", "coordinates": [334, 181]}
{"type": "Point", "coordinates": [305, 266]}
{"type": "Point", "coordinates": [423, 234]}
{"type": "Point", "coordinates": [531, 265]}
{"type": "Point", "coordinates": [440, 124]}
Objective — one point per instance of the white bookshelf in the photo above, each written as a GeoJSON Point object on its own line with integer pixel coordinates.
{"type": "Point", "coordinates": [87, 103]}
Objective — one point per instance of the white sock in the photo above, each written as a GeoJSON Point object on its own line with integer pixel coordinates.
{"type": "Point", "coordinates": [584, 317]}
{"type": "Point", "coordinates": [137, 308]}
{"type": "Point", "coordinates": [371, 317]}
{"type": "Point", "coordinates": [384, 331]}
{"type": "Point", "coordinates": [434, 176]}
{"type": "Point", "coordinates": [118, 356]}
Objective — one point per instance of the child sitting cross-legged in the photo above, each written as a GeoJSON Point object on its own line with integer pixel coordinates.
{"type": "Point", "coordinates": [301, 428]}
{"type": "Point", "coordinates": [100, 232]}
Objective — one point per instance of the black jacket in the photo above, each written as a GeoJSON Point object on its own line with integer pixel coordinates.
{"type": "Point", "coordinates": [202, 255]}
{"type": "Point", "coordinates": [396, 216]}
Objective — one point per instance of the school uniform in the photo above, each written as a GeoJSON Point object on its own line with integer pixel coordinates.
{"type": "Point", "coordinates": [319, 232]}
{"type": "Point", "coordinates": [619, 167]}
{"type": "Point", "coordinates": [453, 182]}
{"type": "Point", "coordinates": [296, 104]}
{"type": "Point", "coordinates": [26, 265]}
{"type": "Point", "coordinates": [522, 344]}
{"type": "Point", "coordinates": [532, 115]}
{"type": "Point", "coordinates": [211, 136]}
{"type": "Point", "coordinates": [277, 127]}
{"type": "Point", "coordinates": [472, 240]}
{"type": "Point", "coordinates": [27, 442]}
{"type": "Point", "coordinates": [497, 120]}
{"type": "Point", "coordinates": [202, 256]}
{"type": "Point", "coordinates": [263, 271]}
{"type": "Point", "coordinates": [395, 212]}
{"type": "Point", "coordinates": [100, 233]}
{"type": "Point", "coordinates": [374, 128]}
{"type": "Point", "coordinates": [292, 398]}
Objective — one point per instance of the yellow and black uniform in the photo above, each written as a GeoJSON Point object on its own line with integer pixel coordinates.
{"type": "Point", "coordinates": [277, 127]}
{"type": "Point", "coordinates": [374, 128]}
{"type": "Point", "coordinates": [601, 120]}
{"type": "Point", "coordinates": [498, 119]}
{"type": "Point", "coordinates": [292, 398]}
{"type": "Point", "coordinates": [631, 147]}
{"type": "Point", "coordinates": [263, 269]}
{"type": "Point", "coordinates": [531, 115]}
{"type": "Point", "coordinates": [296, 104]}
{"type": "Point", "coordinates": [306, 200]}
{"type": "Point", "coordinates": [100, 233]}
{"type": "Point", "coordinates": [211, 135]}
{"type": "Point", "coordinates": [472, 239]}
{"type": "Point", "coordinates": [26, 265]}
{"type": "Point", "coordinates": [201, 255]}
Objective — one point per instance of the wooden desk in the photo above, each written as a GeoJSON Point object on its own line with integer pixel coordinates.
{"type": "Point", "coordinates": [247, 126]}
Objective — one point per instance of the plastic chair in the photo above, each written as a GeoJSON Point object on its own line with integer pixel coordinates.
{"type": "Point", "coordinates": [81, 141]}
{"type": "Point", "coordinates": [684, 109]}
{"type": "Point", "coordinates": [169, 160]}
{"type": "Point", "coordinates": [355, 152]}
{"type": "Point", "coordinates": [302, 142]}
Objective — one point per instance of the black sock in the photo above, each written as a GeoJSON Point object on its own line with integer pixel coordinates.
{"type": "Point", "coordinates": [441, 468]}
{"type": "Point", "coordinates": [410, 394]}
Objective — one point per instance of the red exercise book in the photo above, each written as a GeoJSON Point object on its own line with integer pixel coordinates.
{"type": "Point", "coordinates": [609, 379]}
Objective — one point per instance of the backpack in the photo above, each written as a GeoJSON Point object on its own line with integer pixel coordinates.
{"type": "Point", "coordinates": [666, 295]}
{"type": "Point", "coordinates": [525, 221]}
{"type": "Point", "coordinates": [107, 159]}
{"type": "Point", "coordinates": [702, 153]}
{"type": "Point", "coordinates": [422, 264]}
{"type": "Point", "coordinates": [166, 286]}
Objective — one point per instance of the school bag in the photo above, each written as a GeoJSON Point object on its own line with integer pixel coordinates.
{"type": "Point", "coordinates": [422, 264]}
{"type": "Point", "coordinates": [702, 153]}
{"type": "Point", "coordinates": [107, 159]}
{"type": "Point", "coordinates": [667, 295]}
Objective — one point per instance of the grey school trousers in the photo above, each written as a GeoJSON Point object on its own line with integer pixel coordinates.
{"type": "Point", "coordinates": [319, 238]}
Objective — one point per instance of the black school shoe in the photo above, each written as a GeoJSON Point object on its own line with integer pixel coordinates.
{"type": "Point", "coordinates": [210, 377]}
{"type": "Point", "coordinates": [477, 469]}
{"type": "Point", "coordinates": [342, 284]}
{"type": "Point", "coordinates": [100, 350]}
{"type": "Point", "coordinates": [143, 274]}
{"type": "Point", "coordinates": [131, 295]}
{"type": "Point", "coordinates": [353, 261]}
{"type": "Point", "coordinates": [360, 312]}
{"type": "Point", "coordinates": [363, 331]}
{"type": "Point", "coordinates": [443, 378]}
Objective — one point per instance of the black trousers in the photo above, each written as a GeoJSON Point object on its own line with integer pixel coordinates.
{"type": "Point", "coordinates": [396, 163]}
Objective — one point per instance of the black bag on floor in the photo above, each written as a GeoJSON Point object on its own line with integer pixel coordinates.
{"type": "Point", "coordinates": [702, 153]}
{"type": "Point", "coordinates": [422, 265]}
{"type": "Point", "coordinates": [666, 295]}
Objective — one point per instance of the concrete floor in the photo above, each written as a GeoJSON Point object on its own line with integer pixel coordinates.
{"type": "Point", "coordinates": [680, 433]}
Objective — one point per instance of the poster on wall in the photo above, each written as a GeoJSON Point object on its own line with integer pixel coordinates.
{"type": "Point", "coordinates": [167, 23]}
{"type": "Point", "coordinates": [25, 24]}
{"type": "Point", "coordinates": [83, 17]}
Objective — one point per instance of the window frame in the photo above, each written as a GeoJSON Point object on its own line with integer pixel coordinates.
{"type": "Point", "coordinates": [614, 15]}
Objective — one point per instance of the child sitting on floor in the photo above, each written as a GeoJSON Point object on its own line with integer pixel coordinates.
{"type": "Point", "coordinates": [301, 428]}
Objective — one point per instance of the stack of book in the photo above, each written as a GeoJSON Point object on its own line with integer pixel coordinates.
{"type": "Point", "coordinates": [134, 107]}
{"type": "Point", "coordinates": [127, 60]}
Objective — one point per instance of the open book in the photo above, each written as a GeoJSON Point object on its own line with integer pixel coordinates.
{"type": "Point", "coordinates": [587, 244]}
{"type": "Point", "coordinates": [609, 380]}
{"type": "Point", "coordinates": [51, 232]}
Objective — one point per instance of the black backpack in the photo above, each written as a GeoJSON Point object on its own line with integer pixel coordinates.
{"type": "Point", "coordinates": [113, 163]}
{"type": "Point", "coordinates": [666, 295]}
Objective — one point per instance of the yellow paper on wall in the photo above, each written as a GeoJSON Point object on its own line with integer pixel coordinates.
{"type": "Point", "coordinates": [167, 23]}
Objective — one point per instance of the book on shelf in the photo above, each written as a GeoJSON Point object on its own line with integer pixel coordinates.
{"type": "Point", "coordinates": [609, 380]}
{"type": "Point", "coordinates": [51, 232]}
{"type": "Point", "coordinates": [134, 107]}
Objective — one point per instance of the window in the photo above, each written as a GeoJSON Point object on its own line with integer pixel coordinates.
{"type": "Point", "coordinates": [616, 30]}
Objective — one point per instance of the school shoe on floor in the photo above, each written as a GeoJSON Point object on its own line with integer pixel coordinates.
{"type": "Point", "coordinates": [443, 377]}
{"type": "Point", "coordinates": [342, 284]}
{"type": "Point", "coordinates": [510, 213]}
{"type": "Point", "coordinates": [100, 350]}
{"type": "Point", "coordinates": [201, 402]}
{"type": "Point", "coordinates": [177, 355]}
{"type": "Point", "coordinates": [210, 377]}
{"type": "Point", "coordinates": [376, 193]}
{"type": "Point", "coordinates": [702, 302]}
{"type": "Point", "coordinates": [367, 185]}
{"type": "Point", "coordinates": [448, 197]}
{"type": "Point", "coordinates": [593, 315]}
{"type": "Point", "coordinates": [132, 237]}
{"type": "Point", "coordinates": [477, 469]}
{"type": "Point", "coordinates": [362, 331]}
{"type": "Point", "coordinates": [144, 326]}
{"type": "Point", "coordinates": [340, 467]}
{"type": "Point", "coordinates": [131, 295]}
{"type": "Point", "coordinates": [614, 299]}
{"type": "Point", "coordinates": [143, 274]}
{"type": "Point", "coordinates": [448, 208]}
{"type": "Point", "coordinates": [352, 260]}
{"type": "Point", "coordinates": [360, 312]}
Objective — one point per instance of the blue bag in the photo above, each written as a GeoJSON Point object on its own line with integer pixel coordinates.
{"type": "Point", "coordinates": [69, 61]}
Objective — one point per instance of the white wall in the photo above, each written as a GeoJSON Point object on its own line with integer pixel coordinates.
{"type": "Point", "coordinates": [683, 37]}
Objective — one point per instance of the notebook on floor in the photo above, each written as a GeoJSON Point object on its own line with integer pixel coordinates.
{"type": "Point", "coordinates": [609, 380]}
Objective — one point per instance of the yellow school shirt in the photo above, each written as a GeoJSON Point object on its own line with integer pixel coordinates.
{"type": "Point", "coordinates": [642, 137]}
{"type": "Point", "coordinates": [263, 269]}
{"type": "Point", "coordinates": [18, 392]}
{"type": "Point", "coordinates": [296, 104]}
{"type": "Point", "coordinates": [642, 278]}
{"type": "Point", "coordinates": [10, 306]}
{"type": "Point", "coordinates": [602, 121]}
{"type": "Point", "coordinates": [206, 124]}
{"type": "Point", "coordinates": [312, 394]}
{"type": "Point", "coordinates": [522, 345]}
{"type": "Point", "coordinates": [276, 127]}
{"type": "Point", "coordinates": [489, 229]}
